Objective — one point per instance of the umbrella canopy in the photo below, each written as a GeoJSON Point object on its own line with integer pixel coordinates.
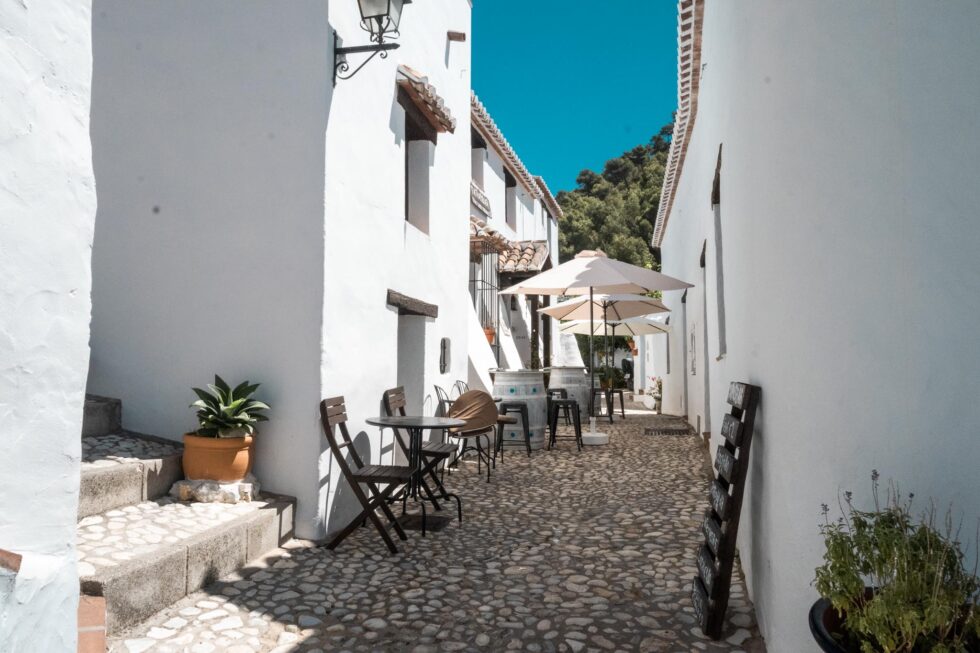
{"type": "Point", "coordinates": [635, 327]}
{"type": "Point", "coordinates": [593, 270]}
{"type": "Point", "coordinates": [611, 307]}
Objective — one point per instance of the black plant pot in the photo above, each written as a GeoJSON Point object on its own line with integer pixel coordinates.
{"type": "Point", "coordinates": [828, 629]}
{"type": "Point", "coordinates": [824, 624]}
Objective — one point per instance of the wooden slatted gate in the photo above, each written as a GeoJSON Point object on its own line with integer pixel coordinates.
{"type": "Point", "coordinates": [716, 556]}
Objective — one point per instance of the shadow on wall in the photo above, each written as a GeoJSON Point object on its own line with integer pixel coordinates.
{"type": "Point", "coordinates": [758, 511]}
{"type": "Point", "coordinates": [345, 505]}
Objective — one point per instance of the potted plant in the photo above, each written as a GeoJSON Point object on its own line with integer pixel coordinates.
{"type": "Point", "coordinates": [893, 583]}
{"type": "Point", "coordinates": [656, 392]}
{"type": "Point", "coordinates": [221, 448]}
{"type": "Point", "coordinates": [490, 333]}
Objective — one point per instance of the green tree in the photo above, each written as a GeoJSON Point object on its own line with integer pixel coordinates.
{"type": "Point", "coordinates": [616, 210]}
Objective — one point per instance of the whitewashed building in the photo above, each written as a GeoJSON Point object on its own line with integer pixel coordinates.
{"type": "Point", "coordinates": [254, 219]}
{"type": "Point", "coordinates": [513, 235]}
{"type": "Point", "coordinates": [258, 221]}
{"type": "Point", "coordinates": [821, 194]}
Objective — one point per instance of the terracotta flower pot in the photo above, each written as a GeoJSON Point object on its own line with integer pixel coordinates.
{"type": "Point", "coordinates": [227, 460]}
{"type": "Point", "coordinates": [490, 333]}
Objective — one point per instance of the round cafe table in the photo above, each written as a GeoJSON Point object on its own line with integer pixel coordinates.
{"type": "Point", "coordinates": [414, 425]}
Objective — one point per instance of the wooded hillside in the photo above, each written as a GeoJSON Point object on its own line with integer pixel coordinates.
{"type": "Point", "coordinates": [615, 211]}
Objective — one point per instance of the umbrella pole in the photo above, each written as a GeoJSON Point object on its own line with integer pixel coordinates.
{"type": "Point", "coordinates": [591, 355]}
{"type": "Point", "coordinates": [605, 331]}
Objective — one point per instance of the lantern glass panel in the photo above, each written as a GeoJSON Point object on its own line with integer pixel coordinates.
{"type": "Point", "coordinates": [395, 15]}
{"type": "Point", "coordinates": [371, 9]}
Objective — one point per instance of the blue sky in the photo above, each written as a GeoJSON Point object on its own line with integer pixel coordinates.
{"type": "Point", "coordinates": [572, 84]}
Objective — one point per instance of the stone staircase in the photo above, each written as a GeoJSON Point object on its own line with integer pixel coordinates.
{"type": "Point", "coordinates": [143, 550]}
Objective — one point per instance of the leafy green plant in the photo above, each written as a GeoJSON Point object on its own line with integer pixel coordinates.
{"type": "Point", "coordinates": [612, 377]}
{"type": "Point", "coordinates": [226, 412]}
{"type": "Point", "coordinates": [897, 582]}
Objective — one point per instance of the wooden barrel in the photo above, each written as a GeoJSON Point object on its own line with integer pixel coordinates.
{"type": "Point", "coordinates": [575, 381]}
{"type": "Point", "coordinates": [525, 386]}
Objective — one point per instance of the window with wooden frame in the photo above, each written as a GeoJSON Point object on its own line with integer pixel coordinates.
{"type": "Point", "coordinates": [420, 141]}
{"type": "Point", "coordinates": [511, 203]}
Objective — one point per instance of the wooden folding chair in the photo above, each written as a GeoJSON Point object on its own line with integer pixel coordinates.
{"type": "Point", "coordinates": [333, 414]}
{"type": "Point", "coordinates": [433, 453]}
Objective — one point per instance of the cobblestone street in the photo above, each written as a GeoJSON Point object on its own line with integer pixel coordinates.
{"type": "Point", "coordinates": [563, 551]}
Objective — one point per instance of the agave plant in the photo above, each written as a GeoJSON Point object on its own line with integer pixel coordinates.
{"type": "Point", "coordinates": [224, 412]}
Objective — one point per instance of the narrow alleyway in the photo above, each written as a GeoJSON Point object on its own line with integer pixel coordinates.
{"type": "Point", "coordinates": [563, 551]}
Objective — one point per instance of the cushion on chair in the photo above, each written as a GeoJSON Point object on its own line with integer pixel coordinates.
{"type": "Point", "coordinates": [477, 409]}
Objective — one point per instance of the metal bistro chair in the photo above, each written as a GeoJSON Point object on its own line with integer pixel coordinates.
{"type": "Point", "coordinates": [555, 405]}
{"type": "Point", "coordinates": [433, 453]}
{"type": "Point", "coordinates": [460, 387]}
{"type": "Point", "coordinates": [445, 403]}
{"type": "Point", "coordinates": [333, 415]}
{"type": "Point", "coordinates": [479, 411]}
{"type": "Point", "coordinates": [555, 394]}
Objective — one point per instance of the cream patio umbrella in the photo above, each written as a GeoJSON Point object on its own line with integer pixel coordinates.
{"type": "Point", "coordinates": [634, 327]}
{"type": "Point", "coordinates": [592, 271]}
{"type": "Point", "coordinates": [611, 307]}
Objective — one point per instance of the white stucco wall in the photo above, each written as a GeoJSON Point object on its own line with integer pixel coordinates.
{"type": "Point", "coordinates": [848, 202]}
{"type": "Point", "coordinates": [369, 246]}
{"type": "Point", "coordinates": [47, 212]}
{"type": "Point", "coordinates": [208, 125]}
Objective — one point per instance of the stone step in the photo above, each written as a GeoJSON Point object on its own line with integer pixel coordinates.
{"type": "Point", "coordinates": [123, 468]}
{"type": "Point", "coordinates": [103, 415]}
{"type": "Point", "coordinates": [144, 557]}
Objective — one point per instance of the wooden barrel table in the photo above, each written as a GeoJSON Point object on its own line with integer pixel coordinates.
{"type": "Point", "coordinates": [524, 386]}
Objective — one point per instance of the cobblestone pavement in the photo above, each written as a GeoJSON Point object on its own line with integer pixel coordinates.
{"type": "Point", "coordinates": [565, 551]}
{"type": "Point", "coordinates": [124, 447]}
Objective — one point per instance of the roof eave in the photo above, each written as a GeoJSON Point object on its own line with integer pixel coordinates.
{"type": "Point", "coordinates": [690, 18]}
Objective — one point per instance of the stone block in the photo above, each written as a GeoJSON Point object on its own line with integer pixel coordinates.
{"type": "Point", "coordinates": [263, 533]}
{"type": "Point", "coordinates": [271, 527]}
{"type": "Point", "coordinates": [135, 591]}
{"type": "Point", "coordinates": [103, 415]}
{"type": "Point", "coordinates": [105, 488]}
{"type": "Point", "coordinates": [216, 553]}
{"type": "Point", "coordinates": [160, 475]}
{"type": "Point", "coordinates": [202, 491]}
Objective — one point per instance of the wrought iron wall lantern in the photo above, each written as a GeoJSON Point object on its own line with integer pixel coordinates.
{"type": "Point", "coordinates": [380, 19]}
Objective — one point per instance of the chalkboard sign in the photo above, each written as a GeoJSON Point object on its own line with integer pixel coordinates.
{"type": "Point", "coordinates": [716, 557]}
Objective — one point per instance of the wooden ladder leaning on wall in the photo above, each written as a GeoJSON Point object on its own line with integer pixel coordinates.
{"type": "Point", "coordinates": [716, 556]}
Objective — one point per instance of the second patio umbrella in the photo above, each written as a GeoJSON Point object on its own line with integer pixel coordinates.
{"type": "Point", "coordinates": [611, 307]}
{"type": "Point", "coordinates": [635, 327]}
